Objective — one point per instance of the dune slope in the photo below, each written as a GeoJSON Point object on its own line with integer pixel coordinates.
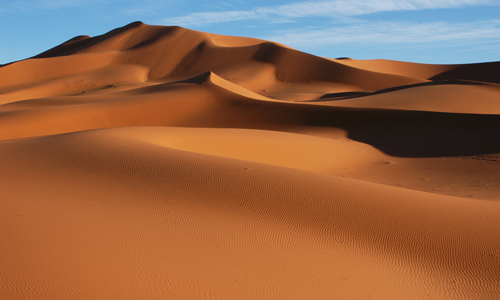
{"type": "Point", "coordinates": [157, 162]}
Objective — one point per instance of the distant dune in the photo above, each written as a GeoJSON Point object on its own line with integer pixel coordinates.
{"type": "Point", "coordinates": [157, 162]}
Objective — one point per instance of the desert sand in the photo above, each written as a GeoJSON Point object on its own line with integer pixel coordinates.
{"type": "Point", "coordinates": [157, 162]}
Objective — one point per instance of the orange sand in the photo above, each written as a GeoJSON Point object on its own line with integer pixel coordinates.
{"type": "Point", "coordinates": [162, 163]}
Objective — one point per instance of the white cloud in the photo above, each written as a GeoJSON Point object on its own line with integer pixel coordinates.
{"type": "Point", "coordinates": [334, 8]}
{"type": "Point", "coordinates": [210, 17]}
{"type": "Point", "coordinates": [144, 9]}
{"type": "Point", "coordinates": [376, 33]}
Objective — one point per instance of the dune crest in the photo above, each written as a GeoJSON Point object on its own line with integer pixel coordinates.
{"type": "Point", "coordinates": [158, 162]}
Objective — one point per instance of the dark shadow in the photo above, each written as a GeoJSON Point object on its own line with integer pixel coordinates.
{"type": "Point", "coordinates": [396, 132]}
{"type": "Point", "coordinates": [198, 79]}
{"type": "Point", "coordinates": [486, 72]}
{"type": "Point", "coordinates": [339, 96]}
{"type": "Point", "coordinates": [158, 34]}
{"type": "Point", "coordinates": [416, 133]}
{"type": "Point", "coordinates": [350, 95]}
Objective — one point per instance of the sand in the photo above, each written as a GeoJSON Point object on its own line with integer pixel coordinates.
{"type": "Point", "coordinates": [158, 162]}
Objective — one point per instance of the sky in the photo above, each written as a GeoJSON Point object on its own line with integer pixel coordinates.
{"type": "Point", "coordinates": [424, 31]}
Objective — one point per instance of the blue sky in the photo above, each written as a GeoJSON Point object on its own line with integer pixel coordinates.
{"type": "Point", "coordinates": [426, 31]}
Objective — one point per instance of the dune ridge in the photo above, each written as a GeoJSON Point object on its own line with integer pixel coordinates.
{"type": "Point", "coordinates": [160, 162]}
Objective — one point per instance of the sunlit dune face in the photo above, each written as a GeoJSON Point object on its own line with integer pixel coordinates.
{"type": "Point", "coordinates": [157, 162]}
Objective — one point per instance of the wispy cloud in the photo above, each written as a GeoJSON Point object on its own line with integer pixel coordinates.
{"type": "Point", "coordinates": [211, 17]}
{"type": "Point", "coordinates": [335, 8]}
{"type": "Point", "coordinates": [387, 33]}
{"type": "Point", "coordinates": [361, 7]}
{"type": "Point", "coordinates": [144, 9]}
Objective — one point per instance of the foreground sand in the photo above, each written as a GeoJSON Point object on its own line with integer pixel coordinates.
{"type": "Point", "coordinates": [162, 163]}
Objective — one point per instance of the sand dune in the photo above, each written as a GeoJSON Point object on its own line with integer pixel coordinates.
{"type": "Point", "coordinates": [157, 162]}
{"type": "Point", "coordinates": [468, 98]}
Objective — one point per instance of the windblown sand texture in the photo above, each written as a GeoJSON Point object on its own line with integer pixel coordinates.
{"type": "Point", "coordinates": [158, 162]}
